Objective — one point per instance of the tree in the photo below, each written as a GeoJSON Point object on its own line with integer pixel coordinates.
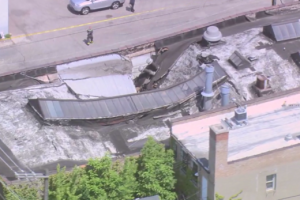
{"type": "Point", "coordinates": [219, 197]}
{"type": "Point", "coordinates": [155, 171]}
{"type": "Point", "coordinates": [107, 180]}
{"type": "Point", "coordinates": [22, 190]}
{"type": "Point", "coordinates": [65, 185]}
{"type": "Point", "coordinates": [129, 182]}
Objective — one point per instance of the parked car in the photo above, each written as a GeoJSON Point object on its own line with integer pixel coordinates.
{"type": "Point", "coordinates": [85, 6]}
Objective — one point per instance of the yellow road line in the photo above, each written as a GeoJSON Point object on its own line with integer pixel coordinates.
{"type": "Point", "coordinates": [76, 26]}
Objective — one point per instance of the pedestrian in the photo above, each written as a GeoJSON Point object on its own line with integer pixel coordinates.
{"type": "Point", "coordinates": [90, 37]}
{"type": "Point", "coordinates": [132, 5]}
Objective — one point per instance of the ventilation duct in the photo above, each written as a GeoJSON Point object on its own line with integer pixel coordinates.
{"type": "Point", "coordinates": [208, 90]}
{"type": "Point", "coordinates": [208, 93]}
{"type": "Point", "coordinates": [225, 93]}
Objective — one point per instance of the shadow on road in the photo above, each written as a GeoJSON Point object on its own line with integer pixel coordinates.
{"type": "Point", "coordinates": [71, 10]}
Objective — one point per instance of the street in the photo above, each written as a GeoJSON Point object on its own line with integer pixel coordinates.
{"type": "Point", "coordinates": [47, 31]}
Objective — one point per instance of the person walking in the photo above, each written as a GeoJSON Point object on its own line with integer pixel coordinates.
{"type": "Point", "coordinates": [90, 37]}
{"type": "Point", "coordinates": [132, 5]}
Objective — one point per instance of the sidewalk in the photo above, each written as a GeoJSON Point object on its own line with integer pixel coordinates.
{"type": "Point", "coordinates": [41, 50]}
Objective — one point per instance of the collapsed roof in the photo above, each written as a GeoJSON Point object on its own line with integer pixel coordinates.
{"type": "Point", "coordinates": [62, 109]}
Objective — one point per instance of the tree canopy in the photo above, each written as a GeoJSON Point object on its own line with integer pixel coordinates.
{"type": "Point", "coordinates": [102, 179]}
{"type": "Point", "coordinates": [155, 173]}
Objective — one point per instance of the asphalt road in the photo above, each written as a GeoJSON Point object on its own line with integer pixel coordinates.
{"type": "Point", "coordinates": [47, 31]}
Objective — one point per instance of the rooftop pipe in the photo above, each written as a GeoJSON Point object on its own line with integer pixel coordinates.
{"type": "Point", "coordinates": [208, 90]}
{"type": "Point", "coordinates": [225, 93]}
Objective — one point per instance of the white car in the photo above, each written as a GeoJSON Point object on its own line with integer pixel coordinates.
{"type": "Point", "coordinates": [85, 6]}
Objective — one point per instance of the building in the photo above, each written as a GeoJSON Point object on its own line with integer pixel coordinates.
{"type": "Point", "coordinates": [253, 150]}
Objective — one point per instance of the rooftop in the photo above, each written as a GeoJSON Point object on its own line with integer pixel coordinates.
{"type": "Point", "coordinates": [269, 121]}
{"type": "Point", "coordinates": [273, 60]}
{"type": "Point", "coordinates": [36, 144]}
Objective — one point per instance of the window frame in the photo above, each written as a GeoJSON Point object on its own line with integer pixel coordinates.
{"type": "Point", "coordinates": [194, 179]}
{"type": "Point", "coordinates": [273, 181]}
{"type": "Point", "coordinates": [185, 157]}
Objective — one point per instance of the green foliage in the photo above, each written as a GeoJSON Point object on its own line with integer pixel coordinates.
{"type": "Point", "coordinates": [155, 171]}
{"type": "Point", "coordinates": [102, 179]}
{"type": "Point", "coordinates": [184, 184]}
{"type": "Point", "coordinates": [235, 196]}
{"type": "Point", "coordinates": [219, 197]}
{"type": "Point", "coordinates": [22, 190]}
{"type": "Point", "coordinates": [28, 191]}
{"type": "Point", "coordinates": [7, 36]}
{"type": "Point", "coordinates": [65, 185]}
{"type": "Point", "coordinates": [108, 180]}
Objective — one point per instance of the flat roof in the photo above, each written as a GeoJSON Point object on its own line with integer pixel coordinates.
{"type": "Point", "coordinates": [268, 124]}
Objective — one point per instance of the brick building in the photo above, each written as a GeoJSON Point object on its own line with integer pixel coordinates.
{"type": "Point", "coordinates": [254, 149]}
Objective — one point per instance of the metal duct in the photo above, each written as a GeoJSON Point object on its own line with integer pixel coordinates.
{"type": "Point", "coordinates": [225, 93]}
{"type": "Point", "coordinates": [208, 90]}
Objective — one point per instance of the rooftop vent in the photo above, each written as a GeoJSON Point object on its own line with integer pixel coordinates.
{"type": "Point", "coordinates": [212, 34]}
{"type": "Point", "coordinates": [262, 86]}
{"type": "Point", "coordinates": [225, 93]}
{"type": "Point", "coordinates": [288, 137]}
{"type": "Point", "coordinates": [239, 61]}
{"type": "Point", "coordinates": [240, 117]}
{"type": "Point", "coordinates": [240, 114]}
{"type": "Point", "coordinates": [283, 31]}
{"type": "Point", "coordinates": [262, 82]}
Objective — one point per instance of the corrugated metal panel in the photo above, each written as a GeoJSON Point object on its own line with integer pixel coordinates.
{"type": "Point", "coordinates": [101, 105]}
{"type": "Point", "coordinates": [106, 86]}
{"type": "Point", "coordinates": [127, 105]}
{"type": "Point", "coordinates": [158, 98]}
{"type": "Point", "coordinates": [122, 105]}
{"type": "Point", "coordinates": [192, 85]}
{"type": "Point", "coordinates": [137, 102]}
{"type": "Point", "coordinates": [112, 109]}
{"type": "Point", "coordinates": [283, 31]}
{"type": "Point", "coordinates": [152, 101]}
{"type": "Point", "coordinates": [144, 101]}
{"type": "Point", "coordinates": [178, 92]}
{"type": "Point", "coordinates": [165, 97]}
{"type": "Point", "coordinates": [186, 89]}
{"type": "Point", "coordinates": [172, 95]}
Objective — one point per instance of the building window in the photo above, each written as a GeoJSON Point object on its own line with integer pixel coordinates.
{"type": "Point", "coordinates": [175, 150]}
{"type": "Point", "coordinates": [271, 182]}
{"type": "Point", "coordinates": [185, 161]}
{"type": "Point", "coordinates": [204, 188]}
{"type": "Point", "coordinates": [195, 173]}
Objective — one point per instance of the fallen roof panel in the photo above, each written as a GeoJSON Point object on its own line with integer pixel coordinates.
{"type": "Point", "coordinates": [106, 86]}
{"type": "Point", "coordinates": [61, 109]}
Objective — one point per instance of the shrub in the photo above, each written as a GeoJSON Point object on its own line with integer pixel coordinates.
{"type": "Point", "coordinates": [7, 36]}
